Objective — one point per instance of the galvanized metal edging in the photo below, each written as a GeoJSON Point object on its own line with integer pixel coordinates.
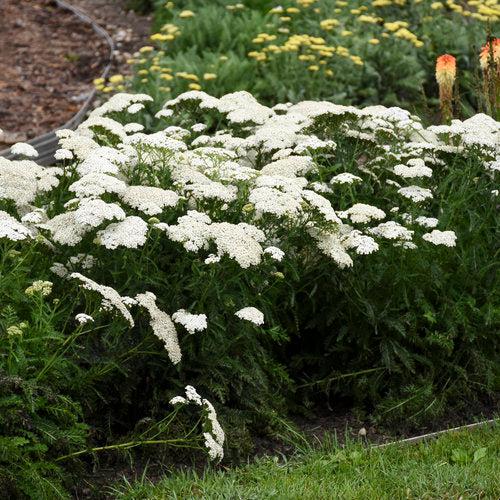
{"type": "Point", "coordinates": [46, 144]}
{"type": "Point", "coordinates": [433, 435]}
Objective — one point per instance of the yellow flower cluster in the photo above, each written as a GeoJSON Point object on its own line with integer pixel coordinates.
{"type": "Point", "coordinates": [329, 24]}
{"type": "Point", "coordinates": [308, 49]}
{"type": "Point", "coordinates": [114, 83]}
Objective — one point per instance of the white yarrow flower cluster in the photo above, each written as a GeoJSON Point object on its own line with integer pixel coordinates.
{"type": "Point", "coordinates": [437, 237]}
{"type": "Point", "coordinates": [111, 298]}
{"type": "Point", "coordinates": [83, 319]}
{"type": "Point", "coordinates": [251, 314]}
{"type": "Point", "coordinates": [162, 325]}
{"type": "Point", "coordinates": [214, 435]}
{"type": "Point", "coordinates": [191, 322]}
{"type": "Point", "coordinates": [24, 149]}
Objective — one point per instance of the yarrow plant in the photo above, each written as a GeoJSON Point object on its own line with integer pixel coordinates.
{"type": "Point", "coordinates": [191, 255]}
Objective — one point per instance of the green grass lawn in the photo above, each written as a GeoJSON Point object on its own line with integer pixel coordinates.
{"type": "Point", "coordinates": [459, 465]}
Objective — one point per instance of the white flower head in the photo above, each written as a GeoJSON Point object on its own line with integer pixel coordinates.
{"type": "Point", "coordinates": [83, 319]}
{"type": "Point", "coordinates": [191, 322]}
{"type": "Point", "coordinates": [415, 193]}
{"type": "Point", "coordinates": [24, 149]}
{"type": "Point", "coordinates": [275, 253]}
{"type": "Point", "coordinates": [437, 237]}
{"type": "Point", "coordinates": [251, 314]}
{"type": "Point", "coordinates": [345, 178]}
{"type": "Point", "coordinates": [162, 325]}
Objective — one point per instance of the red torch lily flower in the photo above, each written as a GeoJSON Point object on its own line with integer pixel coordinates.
{"type": "Point", "coordinates": [446, 72]}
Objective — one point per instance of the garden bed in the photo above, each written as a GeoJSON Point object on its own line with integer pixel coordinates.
{"type": "Point", "coordinates": [56, 56]}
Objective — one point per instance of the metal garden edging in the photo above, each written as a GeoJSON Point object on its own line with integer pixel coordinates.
{"type": "Point", "coordinates": [432, 435]}
{"type": "Point", "coordinates": [46, 144]}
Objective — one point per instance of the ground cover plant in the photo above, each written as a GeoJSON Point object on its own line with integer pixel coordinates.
{"type": "Point", "coordinates": [348, 52]}
{"type": "Point", "coordinates": [459, 465]}
{"type": "Point", "coordinates": [241, 259]}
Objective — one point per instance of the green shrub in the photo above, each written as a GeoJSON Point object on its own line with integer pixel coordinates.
{"type": "Point", "coordinates": [243, 250]}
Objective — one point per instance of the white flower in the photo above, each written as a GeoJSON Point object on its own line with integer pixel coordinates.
{"type": "Point", "coordinates": [96, 184]}
{"type": "Point", "coordinates": [164, 113]}
{"type": "Point", "coordinates": [345, 178]}
{"type": "Point", "coordinates": [362, 213]}
{"type": "Point", "coordinates": [22, 180]}
{"type": "Point", "coordinates": [191, 322]}
{"type": "Point", "coordinates": [135, 108]}
{"type": "Point", "coordinates": [44, 288]}
{"type": "Point", "coordinates": [83, 319]}
{"type": "Point", "coordinates": [437, 237]}
{"type": "Point", "coordinates": [11, 229]}
{"type": "Point", "coordinates": [215, 450]}
{"type": "Point", "coordinates": [93, 212]}
{"type": "Point", "coordinates": [391, 230]}
{"type": "Point", "coordinates": [148, 199]}
{"type": "Point", "coordinates": [415, 193]}
{"type": "Point", "coordinates": [192, 395]}
{"type": "Point", "coordinates": [24, 149]}
{"type": "Point", "coordinates": [212, 259]}
{"type": "Point", "coordinates": [63, 154]}
{"type": "Point", "coordinates": [178, 400]}
{"type": "Point", "coordinates": [363, 244]}
{"type": "Point", "coordinates": [132, 128]}
{"type": "Point", "coordinates": [414, 168]}
{"type": "Point", "coordinates": [111, 298]}
{"type": "Point", "coordinates": [198, 127]}
{"type": "Point", "coordinates": [275, 253]}
{"type": "Point", "coordinates": [59, 269]}
{"type": "Point", "coordinates": [130, 233]}
{"type": "Point", "coordinates": [251, 314]}
{"type": "Point", "coordinates": [162, 325]}
{"type": "Point", "coordinates": [329, 243]}
{"type": "Point", "coordinates": [429, 222]}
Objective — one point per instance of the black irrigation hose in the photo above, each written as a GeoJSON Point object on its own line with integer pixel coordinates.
{"type": "Point", "coordinates": [46, 144]}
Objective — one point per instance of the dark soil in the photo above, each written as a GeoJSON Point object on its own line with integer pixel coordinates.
{"type": "Point", "coordinates": [344, 423]}
{"type": "Point", "coordinates": [48, 61]}
{"type": "Point", "coordinates": [49, 57]}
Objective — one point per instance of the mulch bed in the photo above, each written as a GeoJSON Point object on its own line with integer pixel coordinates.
{"type": "Point", "coordinates": [49, 59]}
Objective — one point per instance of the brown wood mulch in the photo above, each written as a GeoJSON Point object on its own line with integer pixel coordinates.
{"type": "Point", "coordinates": [49, 57]}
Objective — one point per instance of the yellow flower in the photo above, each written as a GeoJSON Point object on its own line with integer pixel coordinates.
{"type": "Point", "coordinates": [437, 5]}
{"type": "Point", "coordinates": [209, 76]}
{"type": "Point", "coordinates": [186, 13]}
{"type": "Point", "coordinates": [166, 76]}
{"type": "Point", "coordinates": [374, 41]}
{"type": "Point", "coordinates": [357, 60]}
{"type": "Point", "coordinates": [328, 24]}
{"type": "Point", "coordinates": [346, 33]}
{"type": "Point", "coordinates": [98, 81]}
{"type": "Point", "coordinates": [329, 72]}
{"type": "Point", "coordinates": [314, 67]}
{"type": "Point", "coordinates": [146, 48]}
{"type": "Point", "coordinates": [160, 37]}
{"type": "Point", "coordinates": [369, 19]}
{"type": "Point", "coordinates": [194, 86]}
{"type": "Point", "coordinates": [143, 72]}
